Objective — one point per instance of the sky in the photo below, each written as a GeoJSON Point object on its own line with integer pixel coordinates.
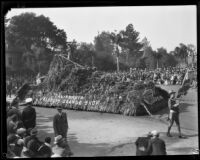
{"type": "Point", "coordinates": [163, 26]}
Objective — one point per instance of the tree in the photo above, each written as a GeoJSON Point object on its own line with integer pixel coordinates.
{"type": "Point", "coordinates": [30, 31]}
{"type": "Point", "coordinates": [129, 43]}
{"type": "Point", "coordinates": [104, 48]}
{"type": "Point", "coordinates": [116, 40]}
{"type": "Point", "coordinates": [181, 52]}
{"type": "Point", "coordinates": [141, 63]}
{"type": "Point", "coordinates": [191, 52]}
{"type": "Point", "coordinates": [162, 59]}
{"type": "Point", "coordinates": [145, 43]}
{"type": "Point", "coordinates": [170, 60]}
{"type": "Point", "coordinates": [157, 55]}
{"type": "Point", "coordinates": [84, 54]}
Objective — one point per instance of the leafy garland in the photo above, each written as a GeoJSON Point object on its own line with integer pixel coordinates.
{"type": "Point", "coordinates": [101, 92]}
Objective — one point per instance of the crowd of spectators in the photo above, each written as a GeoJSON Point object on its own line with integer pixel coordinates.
{"type": "Point", "coordinates": [22, 135]}
{"type": "Point", "coordinates": [160, 76]}
{"type": "Point", "coordinates": [165, 76]}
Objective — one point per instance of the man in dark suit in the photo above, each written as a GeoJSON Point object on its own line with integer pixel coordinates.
{"type": "Point", "coordinates": [60, 123]}
{"type": "Point", "coordinates": [29, 115]}
{"type": "Point", "coordinates": [60, 126]}
{"type": "Point", "coordinates": [156, 145]}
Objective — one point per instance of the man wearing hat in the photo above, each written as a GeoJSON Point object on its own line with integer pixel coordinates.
{"type": "Point", "coordinates": [29, 114]}
{"type": "Point", "coordinates": [156, 145]}
{"type": "Point", "coordinates": [34, 143]}
{"type": "Point", "coordinates": [173, 113]}
{"type": "Point", "coordinates": [58, 150]}
{"type": "Point", "coordinates": [60, 123]}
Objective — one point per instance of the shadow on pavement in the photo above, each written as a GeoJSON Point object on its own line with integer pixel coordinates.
{"type": "Point", "coordinates": [45, 128]}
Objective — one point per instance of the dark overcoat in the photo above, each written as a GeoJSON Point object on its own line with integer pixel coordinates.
{"type": "Point", "coordinates": [156, 146]}
{"type": "Point", "coordinates": [60, 124]}
{"type": "Point", "coordinates": [29, 117]}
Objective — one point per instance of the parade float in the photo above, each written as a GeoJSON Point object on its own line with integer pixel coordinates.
{"type": "Point", "coordinates": [76, 87]}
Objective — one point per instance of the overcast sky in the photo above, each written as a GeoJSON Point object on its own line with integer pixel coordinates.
{"type": "Point", "coordinates": [164, 26]}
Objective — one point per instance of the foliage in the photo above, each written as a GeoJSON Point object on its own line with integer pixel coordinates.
{"type": "Point", "coordinates": [181, 52]}
{"type": "Point", "coordinates": [65, 77]}
{"type": "Point", "coordinates": [35, 35]}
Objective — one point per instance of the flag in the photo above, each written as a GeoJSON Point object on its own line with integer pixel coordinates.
{"type": "Point", "coordinates": [186, 84]}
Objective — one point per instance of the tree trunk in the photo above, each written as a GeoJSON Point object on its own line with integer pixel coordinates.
{"type": "Point", "coordinates": [157, 63]}
{"type": "Point", "coordinates": [117, 64]}
{"type": "Point", "coordinates": [92, 61]}
{"type": "Point", "coordinates": [186, 61]}
{"type": "Point", "coordinates": [192, 59]}
{"type": "Point", "coordinates": [127, 58]}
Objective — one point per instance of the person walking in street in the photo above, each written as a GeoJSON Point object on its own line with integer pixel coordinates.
{"type": "Point", "coordinates": [29, 115]}
{"type": "Point", "coordinates": [173, 105]}
{"type": "Point", "coordinates": [60, 126]}
{"type": "Point", "coordinates": [156, 146]}
{"type": "Point", "coordinates": [60, 123]}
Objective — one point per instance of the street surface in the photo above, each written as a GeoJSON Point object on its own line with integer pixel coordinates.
{"type": "Point", "coordinates": [102, 134]}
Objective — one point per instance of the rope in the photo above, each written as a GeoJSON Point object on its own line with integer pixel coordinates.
{"type": "Point", "coordinates": [70, 61]}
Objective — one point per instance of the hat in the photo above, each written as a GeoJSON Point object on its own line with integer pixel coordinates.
{"type": "Point", "coordinates": [28, 100]}
{"type": "Point", "coordinates": [21, 131]}
{"type": "Point", "coordinates": [154, 133]}
{"type": "Point", "coordinates": [20, 142]}
{"type": "Point", "coordinates": [171, 91]}
{"type": "Point", "coordinates": [34, 131]}
{"type": "Point", "coordinates": [57, 139]}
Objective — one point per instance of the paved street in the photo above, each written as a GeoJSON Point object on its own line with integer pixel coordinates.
{"type": "Point", "coordinates": [102, 134]}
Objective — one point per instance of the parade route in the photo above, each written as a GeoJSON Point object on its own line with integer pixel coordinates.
{"type": "Point", "coordinates": [102, 134]}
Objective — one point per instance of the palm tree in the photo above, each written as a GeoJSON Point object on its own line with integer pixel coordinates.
{"type": "Point", "coordinates": [116, 39]}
